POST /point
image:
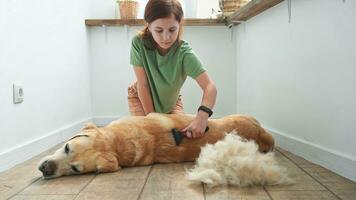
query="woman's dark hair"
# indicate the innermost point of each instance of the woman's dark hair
(156, 9)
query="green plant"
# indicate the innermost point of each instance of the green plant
(226, 20)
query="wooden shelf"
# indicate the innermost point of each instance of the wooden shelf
(141, 22)
(252, 9)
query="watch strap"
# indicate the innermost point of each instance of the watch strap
(205, 109)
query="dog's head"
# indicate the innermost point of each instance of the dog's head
(85, 152)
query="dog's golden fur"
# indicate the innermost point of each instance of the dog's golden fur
(136, 141)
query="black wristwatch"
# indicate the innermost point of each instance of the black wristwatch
(205, 109)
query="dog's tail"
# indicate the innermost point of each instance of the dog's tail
(266, 142)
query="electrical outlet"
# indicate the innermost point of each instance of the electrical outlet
(18, 94)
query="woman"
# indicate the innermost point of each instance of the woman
(162, 62)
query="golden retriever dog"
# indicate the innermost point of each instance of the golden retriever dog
(135, 141)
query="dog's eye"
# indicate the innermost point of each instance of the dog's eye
(66, 149)
(75, 169)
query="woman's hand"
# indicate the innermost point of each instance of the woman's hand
(197, 127)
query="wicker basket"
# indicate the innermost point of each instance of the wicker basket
(230, 6)
(128, 9)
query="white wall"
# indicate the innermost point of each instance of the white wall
(103, 9)
(299, 80)
(43, 47)
(204, 8)
(112, 72)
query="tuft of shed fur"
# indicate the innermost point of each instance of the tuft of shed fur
(236, 161)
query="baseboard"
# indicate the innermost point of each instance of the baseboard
(337, 162)
(36, 146)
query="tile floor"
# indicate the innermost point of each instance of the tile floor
(167, 181)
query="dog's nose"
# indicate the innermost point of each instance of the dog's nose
(48, 168)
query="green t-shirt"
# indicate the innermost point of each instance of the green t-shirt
(166, 74)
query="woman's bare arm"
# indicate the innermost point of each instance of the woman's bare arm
(197, 127)
(143, 90)
(209, 90)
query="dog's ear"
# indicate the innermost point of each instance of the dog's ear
(107, 163)
(89, 125)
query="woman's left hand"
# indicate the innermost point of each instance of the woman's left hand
(197, 127)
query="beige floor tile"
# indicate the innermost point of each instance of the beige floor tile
(291, 168)
(341, 186)
(301, 182)
(331, 177)
(347, 197)
(296, 159)
(63, 185)
(118, 195)
(343, 190)
(10, 188)
(20, 176)
(16, 179)
(302, 195)
(346, 194)
(25, 172)
(124, 184)
(326, 176)
(43, 197)
(168, 181)
(231, 192)
(316, 169)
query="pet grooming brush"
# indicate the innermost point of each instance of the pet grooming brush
(178, 136)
